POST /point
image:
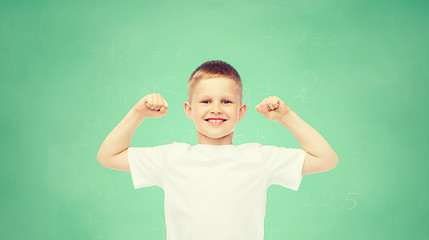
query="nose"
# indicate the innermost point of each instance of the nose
(216, 108)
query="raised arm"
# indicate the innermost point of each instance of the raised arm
(113, 152)
(320, 156)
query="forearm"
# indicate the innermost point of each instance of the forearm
(311, 141)
(119, 138)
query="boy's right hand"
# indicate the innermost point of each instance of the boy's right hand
(152, 105)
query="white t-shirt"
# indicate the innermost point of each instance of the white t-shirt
(215, 192)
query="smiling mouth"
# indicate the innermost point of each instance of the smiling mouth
(215, 122)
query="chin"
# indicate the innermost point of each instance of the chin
(213, 136)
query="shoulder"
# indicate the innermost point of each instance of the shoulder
(163, 148)
(257, 146)
(251, 150)
(254, 146)
(267, 150)
(249, 145)
(173, 144)
(180, 145)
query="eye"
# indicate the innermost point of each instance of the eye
(206, 101)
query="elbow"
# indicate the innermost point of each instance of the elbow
(101, 160)
(331, 161)
(334, 161)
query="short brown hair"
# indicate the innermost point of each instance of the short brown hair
(213, 69)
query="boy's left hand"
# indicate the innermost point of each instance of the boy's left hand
(273, 108)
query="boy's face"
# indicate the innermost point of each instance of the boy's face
(215, 98)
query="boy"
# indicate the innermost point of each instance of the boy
(216, 190)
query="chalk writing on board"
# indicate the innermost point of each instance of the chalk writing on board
(300, 38)
(318, 39)
(308, 80)
(269, 32)
(321, 38)
(329, 201)
(351, 202)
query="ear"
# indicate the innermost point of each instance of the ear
(188, 110)
(242, 112)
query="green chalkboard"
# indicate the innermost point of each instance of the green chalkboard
(356, 71)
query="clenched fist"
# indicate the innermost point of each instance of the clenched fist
(273, 108)
(152, 105)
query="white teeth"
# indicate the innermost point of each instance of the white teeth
(215, 121)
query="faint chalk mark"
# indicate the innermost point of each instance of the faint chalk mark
(310, 79)
(351, 199)
(331, 199)
(300, 38)
(270, 32)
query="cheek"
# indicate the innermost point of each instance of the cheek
(198, 112)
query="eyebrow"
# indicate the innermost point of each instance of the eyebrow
(206, 96)
(223, 97)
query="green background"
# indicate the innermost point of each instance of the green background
(356, 71)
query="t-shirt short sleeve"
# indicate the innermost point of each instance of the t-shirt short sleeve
(284, 165)
(146, 165)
